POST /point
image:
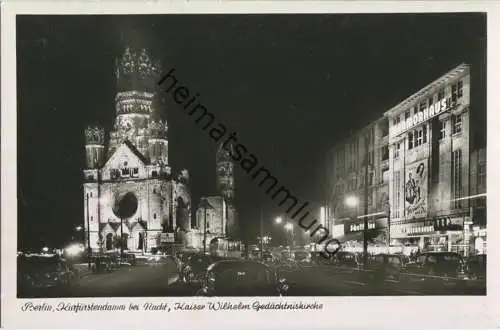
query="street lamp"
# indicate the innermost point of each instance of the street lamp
(279, 220)
(89, 250)
(289, 228)
(79, 228)
(351, 201)
(204, 205)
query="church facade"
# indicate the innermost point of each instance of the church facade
(216, 216)
(130, 196)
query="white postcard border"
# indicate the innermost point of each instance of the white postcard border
(338, 312)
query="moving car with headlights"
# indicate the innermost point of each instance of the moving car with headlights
(239, 278)
(44, 276)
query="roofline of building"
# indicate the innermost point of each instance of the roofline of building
(344, 140)
(460, 70)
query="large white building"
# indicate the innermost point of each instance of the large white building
(426, 156)
(129, 192)
(429, 164)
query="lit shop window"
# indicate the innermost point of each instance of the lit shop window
(457, 124)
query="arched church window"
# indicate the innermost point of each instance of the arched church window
(154, 216)
(90, 194)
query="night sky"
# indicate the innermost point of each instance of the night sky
(289, 85)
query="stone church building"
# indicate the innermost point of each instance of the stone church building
(130, 195)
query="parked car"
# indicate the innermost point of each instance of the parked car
(318, 258)
(242, 278)
(385, 266)
(44, 276)
(267, 257)
(476, 265)
(194, 268)
(302, 257)
(448, 264)
(346, 259)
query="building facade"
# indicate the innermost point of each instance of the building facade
(477, 238)
(429, 164)
(131, 199)
(427, 173)
(357, 184)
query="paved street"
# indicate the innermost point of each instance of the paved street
(141, 280)
(162, 280)
(331, 281)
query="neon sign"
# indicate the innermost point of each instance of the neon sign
(422, 116)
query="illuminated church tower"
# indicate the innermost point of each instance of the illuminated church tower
(130, 195)
(225, 186)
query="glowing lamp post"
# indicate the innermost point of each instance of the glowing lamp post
(279, 220)
(351, 201)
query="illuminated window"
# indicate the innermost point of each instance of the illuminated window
(410, 140)
(430, 101)
(397, 193)
(481, 180)
(457, 91)
(397, 147)
(441, 94)
(442, 129)
(457, 124)
(419, 134)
